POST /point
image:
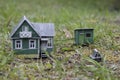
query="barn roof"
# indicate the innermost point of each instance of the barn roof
(42, 29)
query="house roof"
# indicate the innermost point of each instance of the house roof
(42, 29)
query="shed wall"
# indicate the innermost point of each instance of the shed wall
(84, 33)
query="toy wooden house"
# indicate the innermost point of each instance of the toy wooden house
(32, 38)
(83, 36)
(96, 55)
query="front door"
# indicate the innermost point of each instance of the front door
(81, 38)
(43, 46)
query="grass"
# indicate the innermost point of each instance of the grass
(67, 61)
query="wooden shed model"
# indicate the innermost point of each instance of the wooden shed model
(32, 38)
(83, 36)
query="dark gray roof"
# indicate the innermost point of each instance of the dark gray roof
(42, 29)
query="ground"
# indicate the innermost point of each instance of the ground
(67, 61)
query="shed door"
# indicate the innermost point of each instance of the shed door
(88, 37)
(81, 38)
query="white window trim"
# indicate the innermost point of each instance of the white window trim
(34, 44)
(51, 41)
(25, 28)
(20, 44)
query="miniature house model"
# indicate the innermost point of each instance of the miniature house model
(83, 36)
(96, 55)
(32, 38)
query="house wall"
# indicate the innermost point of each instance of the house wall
(49, 49)
(25, 47)
(16, 35)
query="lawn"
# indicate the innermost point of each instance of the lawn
(68, 62)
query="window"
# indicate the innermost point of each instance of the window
(18, 44)
(25, 33)
(97, 54)
(50, 42)
(25, 28)
(32, 44)
(88, 35)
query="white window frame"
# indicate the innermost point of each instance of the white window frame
(50, 43)
(33, 47)
(25, 28)
(18, 44)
